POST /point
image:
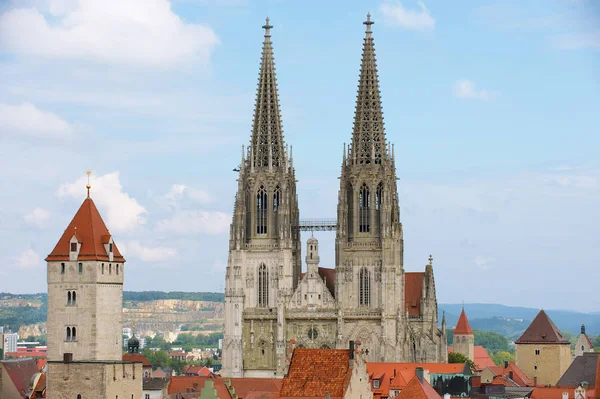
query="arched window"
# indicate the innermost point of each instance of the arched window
(68, 298)
(74, 334)
(364, 281)
(68, 333)
(74, 296)
(117, 267)
(263, 286)
(350, 203)
(79, 396)
(364, 209)
(103, 268)
(276, 199)
(109, 268)
(248, 214)
(378, 204)
(261, 211)
(62, 268)
(80, 267)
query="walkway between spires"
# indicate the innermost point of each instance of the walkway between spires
(317, 225)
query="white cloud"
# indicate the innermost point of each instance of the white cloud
(483, 262)
(466, 89)
(141, 32)
(577, 41)
(28, 120)
(396, 14)
(28, 259)
(122, 211)
(181, 191)
(147, 254)
(37, 217)
(195, 222)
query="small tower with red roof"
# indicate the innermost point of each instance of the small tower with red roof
(85, 311)
(464, 339)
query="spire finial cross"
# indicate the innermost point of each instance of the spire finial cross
(88, 186)
(430, 260)
(267, 27)
(368, 22)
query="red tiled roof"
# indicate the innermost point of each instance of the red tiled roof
(184, 384)
(463, 326)
(482, 358)
(314, 372)
(417, 389)
(542, 330)
(20, 372)
(518, 375)
(89, 228)
(41, 363)
(136, 358)
(256, 388)
(556, 393)
(40, 387)
(413, 288)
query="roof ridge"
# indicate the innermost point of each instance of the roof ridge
(542, 330)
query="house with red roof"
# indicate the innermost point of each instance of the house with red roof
(16, 378)
(418, 388)
(332, 373)
(510, 370)
(197, 371)
(387, 380)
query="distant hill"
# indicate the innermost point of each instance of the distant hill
(511, 321)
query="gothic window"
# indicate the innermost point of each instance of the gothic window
(248, 215)
(74, 298)
(80, 267)
(378, 203)
(62, 268)
(313, 333)
(364, 209)
(73, 334)
(68, 333)
(261, 211)
(110, 269)
(364, 281)
(79, 396)
(350, 203)
(263, 286)
(68, 298)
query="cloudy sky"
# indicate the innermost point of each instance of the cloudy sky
(493, 106)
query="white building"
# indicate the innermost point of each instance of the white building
(10, 343)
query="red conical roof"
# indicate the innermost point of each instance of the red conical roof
(89, 228)
(463, 327)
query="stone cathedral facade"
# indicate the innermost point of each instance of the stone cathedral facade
(270, 305)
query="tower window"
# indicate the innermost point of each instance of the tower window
(364, 294)
(276, 199)
(263, 286)
(68, 298)
(74, 297)
(537, 351)
(79, 396)
(68, 333)
(109, 268)
(261, 211)
(73, 247)
(103, 268)
(62, 268)
(73, 334)
(110, 247)
(364, 209)
(80, 267)
(117, 269)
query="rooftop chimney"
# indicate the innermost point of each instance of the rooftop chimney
(419, 373)
(505, 363)
(446, 396)
(565, 395)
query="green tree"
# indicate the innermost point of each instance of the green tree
(455, 357)
(491, 341)
(596, 341)
(1, 353)
(503, 356)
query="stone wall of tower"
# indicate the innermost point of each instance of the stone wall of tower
(96, 313)
(465, 344)
(544, 362)
(94, 380)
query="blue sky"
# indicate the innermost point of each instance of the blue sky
(493, 107)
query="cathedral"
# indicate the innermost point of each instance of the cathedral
(271, 306)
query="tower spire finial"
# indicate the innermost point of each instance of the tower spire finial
(368, 22)
(267, 27)
(88, 185)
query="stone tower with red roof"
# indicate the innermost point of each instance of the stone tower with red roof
(542, 352)
(463, 340)
(85, 294)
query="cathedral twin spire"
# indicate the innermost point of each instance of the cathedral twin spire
(266, 149)
(368, 136)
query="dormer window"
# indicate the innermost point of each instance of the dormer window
(376, 384)
(73, 247)
(110, 247)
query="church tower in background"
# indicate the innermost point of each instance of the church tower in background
(85, 313)
(264, 262)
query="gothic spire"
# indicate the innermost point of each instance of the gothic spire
(267, 133)
(368, 137)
